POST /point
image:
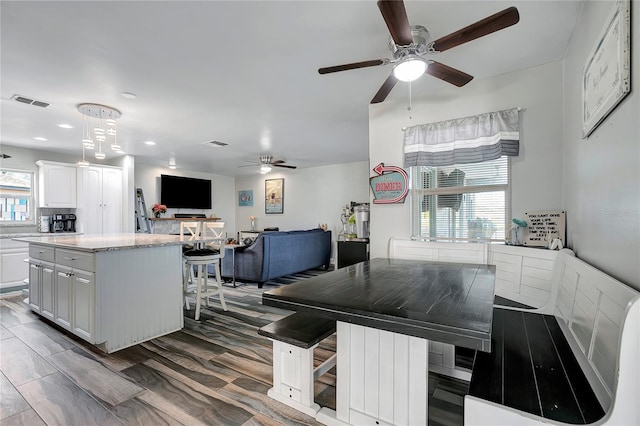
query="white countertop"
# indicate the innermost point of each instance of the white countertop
(35, 234)
(105, 242)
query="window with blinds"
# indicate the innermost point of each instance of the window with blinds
(461, 202)
(16, 197)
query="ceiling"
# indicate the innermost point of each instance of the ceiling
(240, 72)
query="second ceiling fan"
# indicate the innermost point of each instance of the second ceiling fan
(410, 43)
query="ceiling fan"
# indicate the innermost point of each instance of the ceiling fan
(409, 44)
(267, 162)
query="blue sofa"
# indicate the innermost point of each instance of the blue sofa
(276, 254)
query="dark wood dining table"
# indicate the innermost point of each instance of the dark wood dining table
(387, 310)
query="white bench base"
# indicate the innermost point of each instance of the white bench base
(293, 376)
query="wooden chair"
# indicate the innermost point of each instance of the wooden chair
(209, 240)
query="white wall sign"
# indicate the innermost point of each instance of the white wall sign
(544, 226)
(606, 76)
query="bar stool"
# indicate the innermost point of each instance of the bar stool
(209, 249)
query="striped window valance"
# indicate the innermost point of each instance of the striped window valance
(463, 140)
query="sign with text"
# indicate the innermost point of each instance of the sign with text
(544, 226)
(390, 186)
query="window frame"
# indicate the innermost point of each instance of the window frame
(31, 199)
(415, 193)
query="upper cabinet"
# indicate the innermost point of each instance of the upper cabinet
(56, 184)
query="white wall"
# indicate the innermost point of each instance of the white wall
(311, 196)
(147, 177)
(601, 174)
(536, 172)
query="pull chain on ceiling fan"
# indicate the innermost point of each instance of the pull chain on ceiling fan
(409, 45)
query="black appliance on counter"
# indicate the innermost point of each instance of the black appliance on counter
(62, 223)
(70, 223)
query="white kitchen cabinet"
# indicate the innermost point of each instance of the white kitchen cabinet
(41, 280)
(47, 289)
(34, 285)
(100, 200)
(41, 287)
(83, 304)
(63, 295)
(57, 185)
(13, 268)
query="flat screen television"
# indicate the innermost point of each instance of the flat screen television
(180, 192)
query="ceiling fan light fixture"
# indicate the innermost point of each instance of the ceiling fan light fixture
(409, 69)
(265, 168)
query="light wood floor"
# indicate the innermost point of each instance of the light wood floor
(215, 371)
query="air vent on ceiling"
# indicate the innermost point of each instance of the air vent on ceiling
(215, 144)
(29, 101)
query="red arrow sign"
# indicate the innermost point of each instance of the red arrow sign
(380, 169)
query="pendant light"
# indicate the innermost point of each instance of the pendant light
(105, 116)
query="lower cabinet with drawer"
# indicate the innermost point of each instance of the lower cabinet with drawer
(61, 291)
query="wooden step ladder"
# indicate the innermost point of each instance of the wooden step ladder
(143, 224)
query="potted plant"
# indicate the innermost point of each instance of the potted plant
(159, 209)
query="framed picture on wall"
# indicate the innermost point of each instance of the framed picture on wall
(274, 196)
(606, 78)
(245, 198)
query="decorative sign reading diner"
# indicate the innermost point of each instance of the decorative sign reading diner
(390, 186)
(544, 226)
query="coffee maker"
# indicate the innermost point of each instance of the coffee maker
(69, 223)
(56, 223)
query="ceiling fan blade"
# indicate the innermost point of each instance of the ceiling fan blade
(384, 91)
(277, 162)
(395, 16)
(284, 165)
(488, 25)
(448, 74)
(353, 66)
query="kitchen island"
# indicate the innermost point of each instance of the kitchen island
(112, 290)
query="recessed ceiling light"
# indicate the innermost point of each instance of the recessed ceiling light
(120, 152)
(128, 95)
(149, 143)
(65, 126)
(40, 138)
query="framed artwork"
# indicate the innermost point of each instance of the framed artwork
(274, 196)
(245, 198)
(606, 77)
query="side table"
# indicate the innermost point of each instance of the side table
(233, 248)
(247, 234)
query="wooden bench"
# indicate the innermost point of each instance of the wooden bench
(575, 360)
(294, 339)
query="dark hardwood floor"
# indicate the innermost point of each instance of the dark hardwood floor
(215, 371)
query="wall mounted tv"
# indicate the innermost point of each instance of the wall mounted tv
(180, 192)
